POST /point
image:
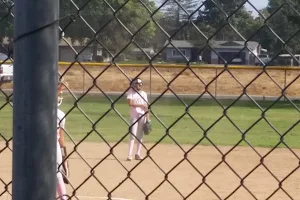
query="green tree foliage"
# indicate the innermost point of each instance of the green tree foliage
(215, 17)
(199, 20)
(114, 22)
(176, 18)
(220, 13)
(281, 23)
(262, 33)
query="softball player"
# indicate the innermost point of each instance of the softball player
(62, 166)
(138, 102)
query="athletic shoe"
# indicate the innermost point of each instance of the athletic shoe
(137, 157)
(129, 158)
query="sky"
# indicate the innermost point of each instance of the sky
(258, 4)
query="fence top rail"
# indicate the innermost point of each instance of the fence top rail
(159, 65)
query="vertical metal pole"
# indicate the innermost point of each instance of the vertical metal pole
(284, 83)
(83, 81)
(35, 100)
(216, 83)
(150, 99)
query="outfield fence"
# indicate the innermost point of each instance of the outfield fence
(269, 84)
(99, 170)
(266, 86)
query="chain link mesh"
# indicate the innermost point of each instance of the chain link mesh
(6, 25)
(207, 142)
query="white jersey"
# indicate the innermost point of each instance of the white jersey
(138, 98)
(60, 121)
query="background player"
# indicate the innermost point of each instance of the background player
(138, 102)
(62, 164)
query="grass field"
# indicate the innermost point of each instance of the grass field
(110, 125)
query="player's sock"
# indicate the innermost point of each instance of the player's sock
(61, 189)
(131, 144)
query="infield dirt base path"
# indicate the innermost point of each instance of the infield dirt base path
(184, 177)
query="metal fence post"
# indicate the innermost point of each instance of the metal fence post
(285, 84)
(216, 84)
(150, 84)
(35, 100)
(83, 81)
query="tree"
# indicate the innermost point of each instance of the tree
(177, 15)
(281, 23)
(214, 14)
(112, 26)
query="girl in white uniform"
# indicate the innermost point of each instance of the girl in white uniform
(60, 150)
(138, 102)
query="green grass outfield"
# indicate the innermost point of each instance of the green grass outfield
(206, 112)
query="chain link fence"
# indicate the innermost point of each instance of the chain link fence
(202, 146)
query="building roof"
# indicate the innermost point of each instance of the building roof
(233, 44)
(144, 49)
(180, 44)
(214, 44)
(137, 51)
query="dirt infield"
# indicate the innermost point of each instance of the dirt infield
(185, 178)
